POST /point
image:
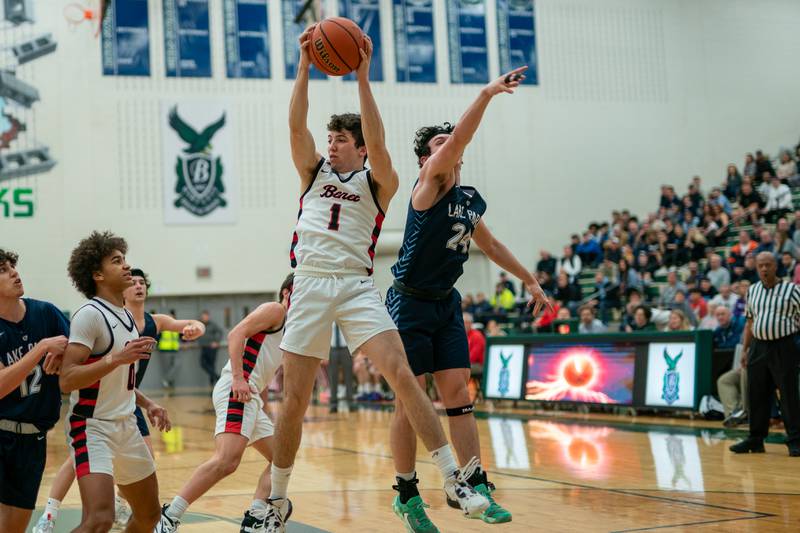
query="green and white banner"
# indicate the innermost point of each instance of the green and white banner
(200, 183)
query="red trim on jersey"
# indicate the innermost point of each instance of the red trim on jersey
(376, 231)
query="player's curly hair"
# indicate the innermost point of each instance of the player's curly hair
(348, 122)
(139, 272)
(87, 257)
(7, 256)
(424, 135)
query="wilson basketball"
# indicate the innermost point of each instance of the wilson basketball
(335, 46)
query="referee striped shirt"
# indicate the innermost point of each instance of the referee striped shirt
(775, 311)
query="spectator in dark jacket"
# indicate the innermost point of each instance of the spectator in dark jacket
(547, 263)
(568, 294)
(729, 331)
(589, 250)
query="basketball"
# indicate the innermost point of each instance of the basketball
(335, 46)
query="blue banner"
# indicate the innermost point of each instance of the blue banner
(516, 36)
(466, 29)
(291, 45)
(187, 39)
(414, 45)
(246, 38)
(126, 39)
(367, 14)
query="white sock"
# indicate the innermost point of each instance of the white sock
(445, 462)
(280, 482)
(258, 504)
(177, 507)
(361, 388)
(407, 476)
(52, 507)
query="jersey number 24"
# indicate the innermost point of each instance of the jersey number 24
(460, 239)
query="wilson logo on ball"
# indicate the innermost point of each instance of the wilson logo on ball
(325, 57)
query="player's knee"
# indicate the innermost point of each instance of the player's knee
(454, 393)
(99, 520)
(228, 465)
(148, 516)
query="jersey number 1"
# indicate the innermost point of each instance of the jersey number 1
(333, 224)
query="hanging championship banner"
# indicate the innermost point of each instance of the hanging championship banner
(246, 38)
(367, 14)
(414, 45)
(200, 183)
(292, 30)
(466, 28)
(126, 39)
(187, 39)
(516, 37)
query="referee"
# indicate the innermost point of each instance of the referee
(772, 356)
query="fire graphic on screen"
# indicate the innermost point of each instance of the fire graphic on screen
(580, 374)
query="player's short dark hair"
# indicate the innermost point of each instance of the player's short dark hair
(287, 284)
(424, 135)
(7, 256)
(88, 256)
(348, 122)
(139, 272)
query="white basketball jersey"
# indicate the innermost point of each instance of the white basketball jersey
(112, 397)
(338, 224)
(262, 357)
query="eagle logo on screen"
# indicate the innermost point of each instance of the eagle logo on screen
(199, 186)
(504, 379)
(672, 379)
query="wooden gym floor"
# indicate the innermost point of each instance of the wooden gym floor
(564, 472)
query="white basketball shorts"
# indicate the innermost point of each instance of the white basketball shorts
(246, 419)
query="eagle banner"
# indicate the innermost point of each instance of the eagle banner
(200, 185)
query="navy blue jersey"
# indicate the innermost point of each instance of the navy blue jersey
(436, 241)
(150, 330)
(38, 399)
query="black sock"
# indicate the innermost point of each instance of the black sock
(407, 489)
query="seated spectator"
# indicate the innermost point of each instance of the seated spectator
(477, 346)
(726, 298)
(696, 244)
(674, 285)
(787, 169)
(481, 305)
(629, 278)
(678, 321)
(610, 271)
(368, 378)
(589, 250)
(749, 165)
(766, 243)
(507, 283)
(546, 281)
(570, 264)
(740, 250)
(545, 321)
(707, 289)
(786, 266)
(668, 198)
(750, 201)
(568, 294)
(646, 265)
(493, 329)
(716, 198)
(547, 263)
(747, 272)
(605, 297)
(641, 320)
(633, 300)
(763, 164)
(563, 314)
(783, 244)
(611, 250)
(693, 276)
(732, 388)
(467, 303)
(718, 274)
(733, 183)
(697, 303)
(728, 332)
(502, 300)
(779, 200)
(588, 323)
(710, 320)
(793, 233)
(696, 199)
(741, 292)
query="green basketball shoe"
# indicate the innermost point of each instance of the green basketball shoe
(494, 514)
(412, 513)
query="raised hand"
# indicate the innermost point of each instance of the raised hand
(507, 82)
(305, 46)
(134, 351)
(193, 331)
(362, 72)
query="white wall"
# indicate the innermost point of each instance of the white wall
(632, 93)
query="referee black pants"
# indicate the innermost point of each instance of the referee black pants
(771, 365)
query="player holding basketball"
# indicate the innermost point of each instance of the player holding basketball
(149, 326)
(32, 343)
(99, 369)
(443, 217)
(239, 398)
(341, 210)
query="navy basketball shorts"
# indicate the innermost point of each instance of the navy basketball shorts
(433, 332)
(22, 459)
(141, 422)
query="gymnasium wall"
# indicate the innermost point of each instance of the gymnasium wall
(632, 94)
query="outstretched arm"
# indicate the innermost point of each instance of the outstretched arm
(440, 163)
(500, 255)
(374, 136)
(265, 317)
(304, 153)
(190, 329)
